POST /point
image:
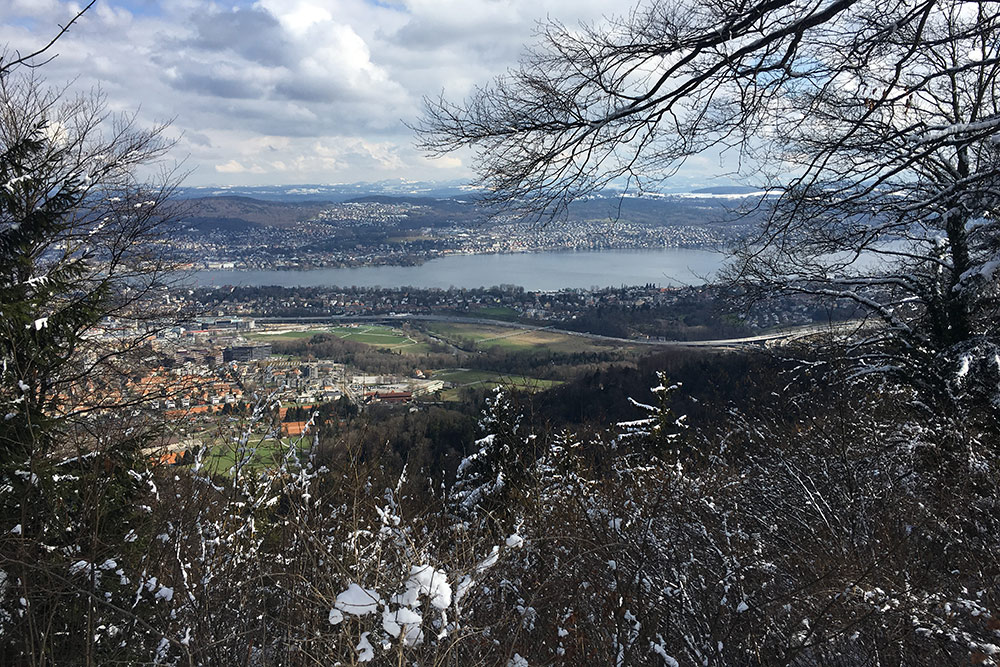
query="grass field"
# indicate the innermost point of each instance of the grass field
(497, 312)
(283, 335)
(382, 336)
(484, 336)
(463, 377)
(369, 334)
(221, 458)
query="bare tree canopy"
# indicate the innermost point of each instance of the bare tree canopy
(874, 126)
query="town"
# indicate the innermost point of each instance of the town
(246, 234)
(310, 347)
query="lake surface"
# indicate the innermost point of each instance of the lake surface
(539, 271)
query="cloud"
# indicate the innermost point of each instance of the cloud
(287, 91)
(302, 17)
(222, 81)
(234, 167)
(251, 34)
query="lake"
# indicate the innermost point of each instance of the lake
(539, 271)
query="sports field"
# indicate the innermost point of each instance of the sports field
(485, 336)
(375, 335)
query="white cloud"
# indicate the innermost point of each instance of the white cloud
(302, 17)
(287, 91)
(234, 167)
(34, 8)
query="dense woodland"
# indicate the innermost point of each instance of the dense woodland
(782, 522)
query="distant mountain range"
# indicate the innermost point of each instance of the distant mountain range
(339, 192)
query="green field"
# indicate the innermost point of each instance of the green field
(381, 336)
(284, 335)
(221, 458)
(389, 338)
(485, 336)
(463, 377)
(497, 312)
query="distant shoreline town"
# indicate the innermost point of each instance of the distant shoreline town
(245, 234)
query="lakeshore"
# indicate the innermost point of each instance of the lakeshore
(540, 271)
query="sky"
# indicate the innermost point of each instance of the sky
(287, 91)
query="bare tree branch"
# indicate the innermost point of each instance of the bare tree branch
(28, 60)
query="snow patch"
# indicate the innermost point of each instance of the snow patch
(366, 652)
(403, 623)
(357, 601)
(425, 580)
